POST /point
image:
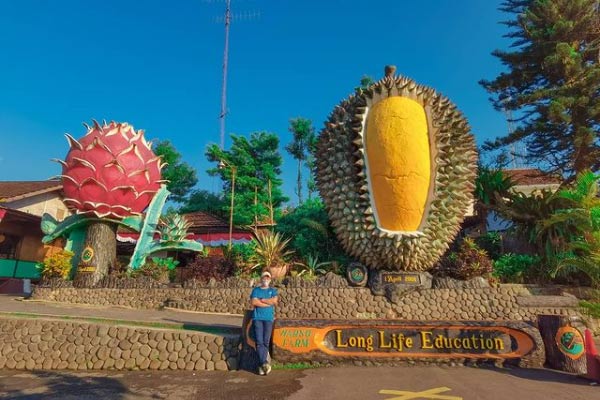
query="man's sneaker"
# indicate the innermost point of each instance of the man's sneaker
(267, 368)
(261, 370)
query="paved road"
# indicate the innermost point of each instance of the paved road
(401, 383)
(16, 304)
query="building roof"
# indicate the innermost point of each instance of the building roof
(531, 177)
(201, 219)
(17, 190)
(11, 215)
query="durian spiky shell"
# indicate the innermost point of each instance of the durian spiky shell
(341, 171)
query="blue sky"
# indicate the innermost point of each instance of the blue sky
(157, 64)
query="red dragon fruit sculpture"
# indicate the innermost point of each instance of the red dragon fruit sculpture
(111, 172)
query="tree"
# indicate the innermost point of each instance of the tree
(203, 200)
(256, 162)
(365, 82)
(553, 81)
(492, 188)
(311, 184)
(181, 176)
(559, 224)
(492, 185)
(312, 234)
(300, 148)
(579, 224)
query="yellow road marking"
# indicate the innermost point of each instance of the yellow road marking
(426, 394)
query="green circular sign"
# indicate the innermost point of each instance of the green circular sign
(357, 274)
(87, 254)
(570, 342)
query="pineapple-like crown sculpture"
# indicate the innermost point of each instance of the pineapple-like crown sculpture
(396, 166)
(111, 172)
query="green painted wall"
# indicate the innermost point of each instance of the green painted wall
(25, 269)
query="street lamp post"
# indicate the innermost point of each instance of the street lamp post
(223, 164)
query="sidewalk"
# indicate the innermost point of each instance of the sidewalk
(16, 304)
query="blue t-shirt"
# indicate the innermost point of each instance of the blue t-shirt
(263, 313)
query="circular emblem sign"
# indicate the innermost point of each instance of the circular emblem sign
(357, 274)
(570, 342)
(87, 254)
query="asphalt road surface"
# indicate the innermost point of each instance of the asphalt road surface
(378, 383)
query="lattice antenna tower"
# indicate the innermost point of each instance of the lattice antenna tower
(227, 18)
(517, 150)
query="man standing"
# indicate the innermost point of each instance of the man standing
(264, 299)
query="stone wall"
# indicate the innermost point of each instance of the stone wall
(55, 344)
(504, 303)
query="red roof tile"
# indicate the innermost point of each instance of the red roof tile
(205, 220)
(15, 190)
(531, 176)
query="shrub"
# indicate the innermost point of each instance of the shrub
(270, 249)
(205, 268)
(155, 271)
(470, 261)
(312, 268)
(590, 308)
(491, 242)
(241, 255)
(159, 269)
(514, 268)
(56, 265)
(243, 258)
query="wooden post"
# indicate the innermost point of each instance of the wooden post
(270, 202)
(233, 172)
(565, 348)
(255, 208)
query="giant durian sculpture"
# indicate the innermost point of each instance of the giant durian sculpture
(396, 166)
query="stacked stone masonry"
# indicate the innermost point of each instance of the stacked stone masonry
(27, 344)
(325, 303)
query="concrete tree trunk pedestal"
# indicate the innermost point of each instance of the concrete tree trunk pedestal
(98, 255)
(564, 343)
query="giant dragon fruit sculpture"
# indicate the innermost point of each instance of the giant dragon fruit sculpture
(110, 176)
(110, 172)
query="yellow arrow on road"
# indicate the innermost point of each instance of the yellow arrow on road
(426, 394)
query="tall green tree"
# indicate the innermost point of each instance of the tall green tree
(552, 82)
(311, 232)
(181, 176)
(256, 162)
(311, 184)
(303, 134)
(203, 200)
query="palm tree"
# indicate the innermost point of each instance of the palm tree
(492, 185)
(579, 222)
(492, 189)
(584, 255)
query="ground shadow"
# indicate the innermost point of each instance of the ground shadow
(216, 329)
(60, 385)
(542, 375)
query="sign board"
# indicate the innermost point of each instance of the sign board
(405, 278)
(384, 339)
(570, 342)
